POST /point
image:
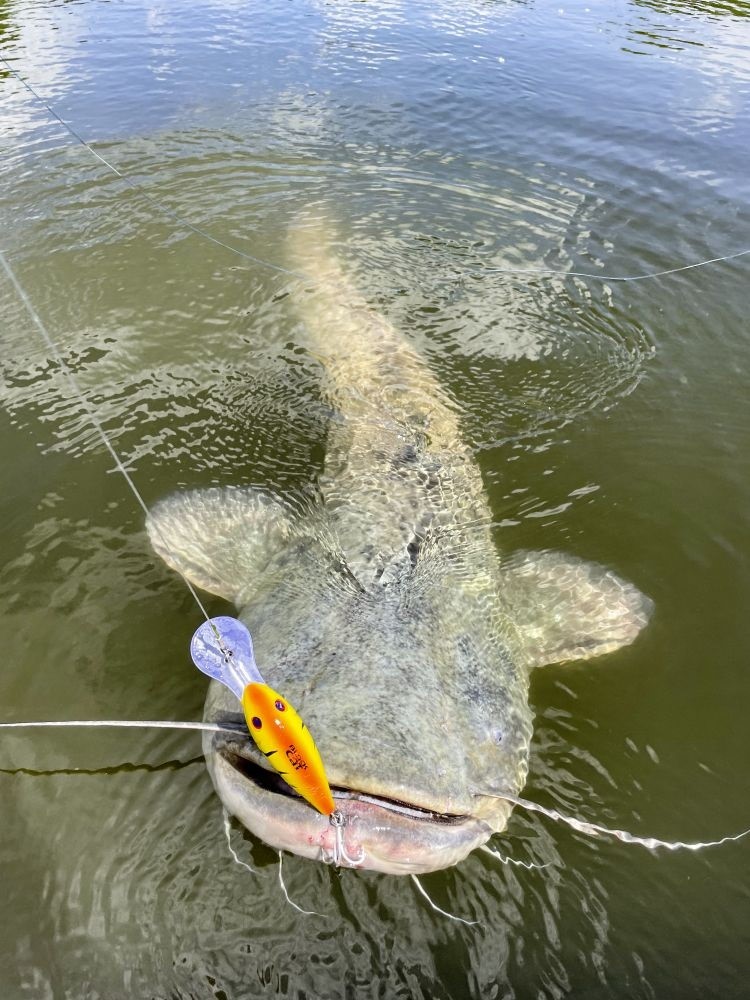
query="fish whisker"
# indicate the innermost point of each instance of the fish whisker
(595, 829)
(445, 913)
(307, 913)
(228, 834)
(528, 865)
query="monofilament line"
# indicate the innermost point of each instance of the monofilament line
(138, 188)
(541, 272)
(205, 727)
(552, 272)
(51, 346)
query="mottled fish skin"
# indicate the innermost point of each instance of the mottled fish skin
(384, 613)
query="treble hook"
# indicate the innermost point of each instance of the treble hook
(338, 822)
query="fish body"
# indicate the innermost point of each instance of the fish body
(383, 611)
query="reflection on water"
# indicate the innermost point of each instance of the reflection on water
(608, 420)
(702, 8)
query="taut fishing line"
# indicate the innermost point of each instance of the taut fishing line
(206, 727)
(540, 272)
(139, 188)
(46, 337)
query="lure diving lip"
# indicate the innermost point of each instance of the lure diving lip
(223, 650)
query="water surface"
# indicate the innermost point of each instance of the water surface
(610, 420)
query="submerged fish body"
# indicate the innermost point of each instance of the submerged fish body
(383, 612)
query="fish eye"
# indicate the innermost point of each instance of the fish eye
(256, 722)
(280, 705)
(497, 736)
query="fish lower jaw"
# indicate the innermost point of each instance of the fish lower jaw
(378, 834)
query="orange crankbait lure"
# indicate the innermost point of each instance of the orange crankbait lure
(286, 741)
(222, 649)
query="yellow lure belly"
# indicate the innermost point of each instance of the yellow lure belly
(282, 736)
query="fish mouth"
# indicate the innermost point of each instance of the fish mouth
(272, 781)
(378, 833)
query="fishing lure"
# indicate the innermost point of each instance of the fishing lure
(223, 649)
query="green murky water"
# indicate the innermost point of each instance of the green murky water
(610, 420)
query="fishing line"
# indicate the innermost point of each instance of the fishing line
(207, 727)
(318, 794)
(46, 337)
(340, 853)
(538, 271)
(139, 188)
(606, 277)
(255, 695)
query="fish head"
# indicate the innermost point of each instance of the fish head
(405, 721)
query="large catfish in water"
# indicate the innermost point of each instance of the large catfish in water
(383, 612)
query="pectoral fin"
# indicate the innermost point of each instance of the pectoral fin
(220, 539)
(568, 609)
